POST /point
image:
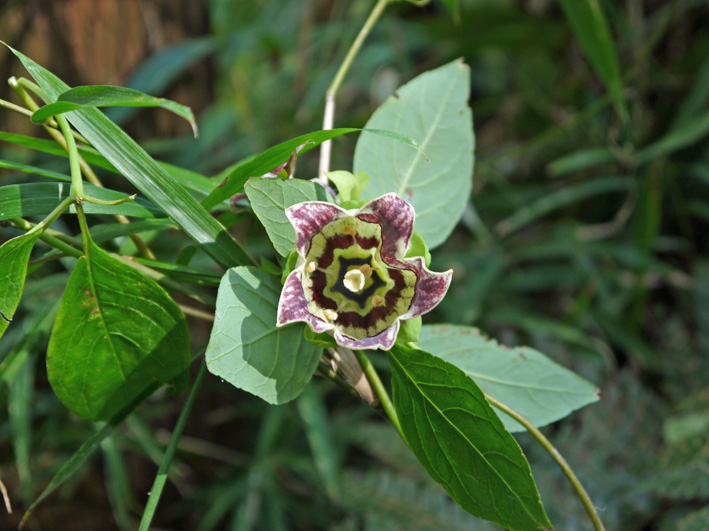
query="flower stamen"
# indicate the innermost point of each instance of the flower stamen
(330, 315)
(366, 270)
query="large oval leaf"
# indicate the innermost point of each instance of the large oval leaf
(433, 109)
(270, 197)
(461, 443)
(14, 255)
(247, 350)
(522, 378)
(117, 333)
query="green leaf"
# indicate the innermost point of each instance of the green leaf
(187, 178)
(581, 160)
(232, 179)
(694, 521)
(269, 199)
(79, 458)
(10, 165)
(166, 462)
(591, 29)
(311, 407)
(349, 186)
(433, 107)
(141, 170)
(418, 247)
(14, 256)
(323, 340)
(410, 331)
(521, 378)
(392, 502)
(116, 333)
(247, 350)
(110, 231)
(561, 198)
(108, 96)
(687, 133)
(461, 443)
(453, 6)
(39, 199)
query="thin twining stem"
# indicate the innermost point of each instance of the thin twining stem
(556, 456)
(329, 115)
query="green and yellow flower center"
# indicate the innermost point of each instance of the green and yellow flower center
(346, 282)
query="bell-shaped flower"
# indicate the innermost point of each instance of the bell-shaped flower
(352, 279)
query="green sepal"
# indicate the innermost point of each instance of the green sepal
(410, 331)
(352, 205)
(289, 265)
(418, 247)
(321, 340)
(349, 186)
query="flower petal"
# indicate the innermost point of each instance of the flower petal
(396, 217)
(292, 306)
(309, 218)
(431, 287)
(383, 341)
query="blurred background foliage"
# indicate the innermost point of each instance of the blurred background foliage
(586, 238)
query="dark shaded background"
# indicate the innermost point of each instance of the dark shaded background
(577, 241)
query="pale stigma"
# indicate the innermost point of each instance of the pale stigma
(354, 280)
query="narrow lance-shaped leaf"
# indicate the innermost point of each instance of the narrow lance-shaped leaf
(139, 168)
(233, 178)
(591, 28)
(14, 255)
(39, 199)
(117, 333)
(187, 178)
(462, 443)
(522, 378)
(247, 350)
(109, 96)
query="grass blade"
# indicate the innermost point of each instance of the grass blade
(591, 29)
(161, 477)
(109, 96)
(139, 168)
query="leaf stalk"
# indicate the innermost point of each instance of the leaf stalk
(556, 456)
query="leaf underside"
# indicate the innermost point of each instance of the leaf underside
(521, 378)
(247, 350)
(433, 109)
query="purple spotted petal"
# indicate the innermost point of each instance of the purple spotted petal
(293, 306)
(397, 219)
(309, 218)
(431, 287)
(384, 340)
